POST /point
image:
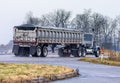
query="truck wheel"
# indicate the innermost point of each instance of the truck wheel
(97, 53)
(78, 53)
(38, 54)
(67, 52)
(84, 54)
(75, 52)
(60, 52)
(44, 52)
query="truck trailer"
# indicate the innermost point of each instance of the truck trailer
(34, 40)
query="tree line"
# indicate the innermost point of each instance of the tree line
(105, 29)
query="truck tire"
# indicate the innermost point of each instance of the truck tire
(44, 52)
(97, 53)
(67, 53)
(83, 54)
(38, 52)
(75, 53)
(78, 54)
(15, 50)
(60, 52)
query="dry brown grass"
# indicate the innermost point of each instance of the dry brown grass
(104, 61)
(20, 73)
(112, 55)
(113, 58)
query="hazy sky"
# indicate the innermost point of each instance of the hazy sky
(13, 12)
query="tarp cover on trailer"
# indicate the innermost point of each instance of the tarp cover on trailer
(26, 27)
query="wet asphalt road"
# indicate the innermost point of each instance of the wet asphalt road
(90, 73)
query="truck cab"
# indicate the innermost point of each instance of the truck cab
(90, 44)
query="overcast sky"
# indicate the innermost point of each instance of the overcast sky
(13, 12)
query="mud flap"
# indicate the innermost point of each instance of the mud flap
(15, 49)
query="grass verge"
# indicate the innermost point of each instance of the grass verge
(16, 73)
(105, 61)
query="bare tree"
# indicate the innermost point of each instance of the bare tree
(44, 20)
(118, 22)
(63, 17)
(102, 26)
(58, 18)
(108, 32)
(98, 22)
(83, 21)
(30, 19)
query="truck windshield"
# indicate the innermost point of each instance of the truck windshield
(88, 37)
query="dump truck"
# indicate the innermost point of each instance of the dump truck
(34, 40)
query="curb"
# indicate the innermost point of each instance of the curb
(74, 73)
